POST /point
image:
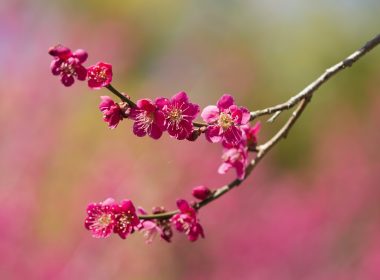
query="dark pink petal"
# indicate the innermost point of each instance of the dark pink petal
(213, 134)
(246, 115)
(81, 55)
(233, 135)
(60, 51)
(81, 72)
(106, 103)
(240, 169)
(182, 131)
(146, 105)
(161, 102)
(67, 80)
(256, 128)
(138, 129)
(183, 205)
(55, 67)
(159, 120)
(225, 102)
(191, 111)
(155, 132)
(210, 114)
(195, 231)
(94, 84)
(114, 121)
(180, 97)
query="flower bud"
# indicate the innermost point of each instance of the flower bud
(194, 135)
(201, 192)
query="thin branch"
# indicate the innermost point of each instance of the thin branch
(120, 95)
(311, 88)
(302, 99)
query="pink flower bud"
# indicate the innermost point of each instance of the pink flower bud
(201, 192)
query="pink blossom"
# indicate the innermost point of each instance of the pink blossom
(237, 158)
(100, 218)
(126, 218)
(150, 230)
(250, 135)
(179, 114)
(201, 192)
(159, 226)
(225, 120)
(148, 119)
(99, 75)
(67, 64)
(186, 221)
(112, 113)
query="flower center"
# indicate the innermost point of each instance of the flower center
(98, 74)
(124, 221)
(145, 119)
(225, 121)
(67, 69)
(175, 115)
(103, 221)
(102, 75)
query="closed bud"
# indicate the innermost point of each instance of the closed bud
(201, 192)
(194, 135)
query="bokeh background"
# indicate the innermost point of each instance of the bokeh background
(309, 211)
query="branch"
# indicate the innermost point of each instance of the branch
(311, 88)
(302, 99)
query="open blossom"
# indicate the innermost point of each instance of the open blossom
(225, 120)
(126, 219)
(148, 119)
(68, 64)
(237, 158)
(99, 75)
(112, 113)
(179, 114)
(100, 218)
(186, 221)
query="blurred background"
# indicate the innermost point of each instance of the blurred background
(309, 211)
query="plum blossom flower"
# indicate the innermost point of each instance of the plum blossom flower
(126, 219)
(148, 119)
(68, 64)
(150, 230)
(100, 218)
(186, 221)
(235, 158)
(250, 135)
(99, 75)
(112, 113)
(201, 192)
(179, 114)
(225, 120)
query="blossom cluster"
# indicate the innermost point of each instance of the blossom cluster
(107, 217)
(225, 123)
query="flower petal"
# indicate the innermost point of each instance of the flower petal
(213, 134)
(183, 205)
(155, 132)
(81, 55)
(210, 114)
(180, 97)
(67, 80)
(146, 105)
(225, 102)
